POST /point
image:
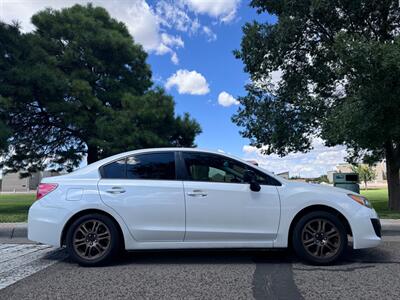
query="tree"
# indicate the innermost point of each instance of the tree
(323, 179)
(79, 86)
(365, 173)
(339, 63)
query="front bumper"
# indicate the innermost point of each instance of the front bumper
(366, 229)
(376, 223)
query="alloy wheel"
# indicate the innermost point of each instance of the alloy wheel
(321, 238)
(92, 239)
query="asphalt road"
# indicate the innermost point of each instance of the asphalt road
(363, 274)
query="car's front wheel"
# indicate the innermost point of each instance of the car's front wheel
(92, 240)
(320, 238)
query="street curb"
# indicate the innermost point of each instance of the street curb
(13, 230)
(390, 227)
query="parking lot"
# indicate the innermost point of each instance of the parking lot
(38, 272)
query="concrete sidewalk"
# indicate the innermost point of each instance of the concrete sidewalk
(390, 227)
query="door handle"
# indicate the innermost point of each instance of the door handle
(116, 190)
(197, 193)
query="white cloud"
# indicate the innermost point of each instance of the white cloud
(173, 15)
(276, 77)
(142, 22)
(174, 58)
(226, 99)
(173, 41)
(317, 162)
(249, 149)
(211, 36)
(169, 42)
(229, 17)
(270, 82)
(188, 82)
(224, 10)
(149, 25)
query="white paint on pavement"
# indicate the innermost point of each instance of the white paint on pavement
(18, 261)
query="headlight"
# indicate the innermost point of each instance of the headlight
(360, 199)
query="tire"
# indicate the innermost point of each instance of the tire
(320, 238)
(93, 240)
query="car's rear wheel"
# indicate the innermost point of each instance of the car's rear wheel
(92, 240)
(320, 238)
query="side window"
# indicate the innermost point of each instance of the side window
(114, 170)
(264, 179)
(151, 166)
(213, 168)
(216, 168)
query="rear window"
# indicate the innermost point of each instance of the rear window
(151, 166)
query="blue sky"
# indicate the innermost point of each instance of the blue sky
(214, 60)
(190, 44)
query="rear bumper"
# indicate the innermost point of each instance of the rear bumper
(366, 229)
(45, 224)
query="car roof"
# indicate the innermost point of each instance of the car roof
(161, 149)
(96, 165)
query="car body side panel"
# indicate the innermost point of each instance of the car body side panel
(231, 212)
(154, 210)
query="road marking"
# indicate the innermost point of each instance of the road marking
(18, 261)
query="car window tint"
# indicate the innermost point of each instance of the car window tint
(151, 166)
(214, 168)
(114, 170)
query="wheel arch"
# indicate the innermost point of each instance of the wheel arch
(318, 207)
(88, 212)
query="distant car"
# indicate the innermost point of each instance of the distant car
(177, 198)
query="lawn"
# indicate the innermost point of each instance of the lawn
(14, 207)
(379, 199)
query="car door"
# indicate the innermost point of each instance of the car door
(221, 207)
(144, 191)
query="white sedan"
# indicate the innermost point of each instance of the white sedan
(178, 198)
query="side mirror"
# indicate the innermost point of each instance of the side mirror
(250, 177)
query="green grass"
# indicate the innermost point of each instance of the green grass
(14, 207)
(379, 199)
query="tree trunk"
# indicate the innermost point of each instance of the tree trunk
(92, 154)
(366, 186)
(393, 177)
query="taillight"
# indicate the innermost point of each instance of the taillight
(45, 188)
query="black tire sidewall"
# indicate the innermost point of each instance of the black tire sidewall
(298, 244)
(111, 251)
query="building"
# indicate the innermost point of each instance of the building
(12, 182)
(380, 173)
(329, 174)
(284, 175)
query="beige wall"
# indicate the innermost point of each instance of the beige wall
(13, 183)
